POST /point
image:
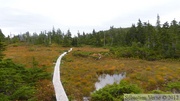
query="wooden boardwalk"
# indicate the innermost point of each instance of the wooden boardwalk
(59, 90)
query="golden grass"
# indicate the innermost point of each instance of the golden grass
(44, 56)
(78, 74)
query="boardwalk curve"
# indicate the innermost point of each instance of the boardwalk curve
(59, 90)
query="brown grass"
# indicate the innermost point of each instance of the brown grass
(44, 56)
(78, 74)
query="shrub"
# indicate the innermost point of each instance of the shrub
(4, 97)
(102, 96)
(135, 52)
(31, 49)
(81, 54)
(2, 48)
(159, 92)
(23, 93)
(115, 91)
(15, 45)
(174, 87)
(17, 82)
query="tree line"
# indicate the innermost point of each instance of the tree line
(140, 40)
(43, 38)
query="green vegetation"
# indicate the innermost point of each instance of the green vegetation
(136, 51)
(82, 54)
(19, 83)
(115, 92)
(2, 46)
(174, 87)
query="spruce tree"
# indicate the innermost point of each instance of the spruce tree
(2, 47)
(2, 37)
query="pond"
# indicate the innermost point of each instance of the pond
(105, 79)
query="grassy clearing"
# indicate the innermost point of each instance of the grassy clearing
(45, 56)
(80, 74)
(80, 69)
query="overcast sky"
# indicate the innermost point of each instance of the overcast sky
(19, 16)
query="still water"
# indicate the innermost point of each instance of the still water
(105, 79)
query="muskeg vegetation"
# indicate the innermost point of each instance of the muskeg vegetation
(81, 68)
(80, 74)
(34, 73)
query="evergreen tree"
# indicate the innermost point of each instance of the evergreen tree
(158, 34)
(164, 40)
(131, 35)
(53, 36)
(27, 37)
(158, 25)
(42, 38)
(112, 33)
(59, 37)
(67, 39)
(49, 34)
(2, 46)
(175, 39)
(98, 39)
(75, 42)
(2, 37)
(34, 38)
(140, 36)
(150, 35)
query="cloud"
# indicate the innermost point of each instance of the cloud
(83, 15)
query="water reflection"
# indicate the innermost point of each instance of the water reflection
(105, 79)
